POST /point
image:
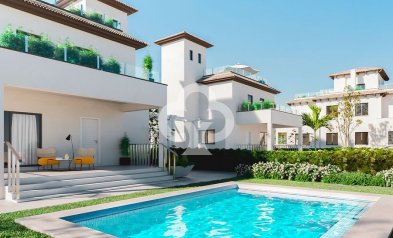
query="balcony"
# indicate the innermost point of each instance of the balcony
(28, 71)
(67, 52)
(314, 94)
(228, 68)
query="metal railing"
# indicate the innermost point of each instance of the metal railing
(149, 155)
(249, 107)
(314, 94)
(14, 161)
(253, 147)
(68, 54)
(286, 147)
(228, 68)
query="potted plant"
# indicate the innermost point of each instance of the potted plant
(183, 166)
(125, 158)
(148, 67)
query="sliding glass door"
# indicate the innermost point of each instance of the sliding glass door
(23, 130)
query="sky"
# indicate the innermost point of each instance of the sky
(295, 44)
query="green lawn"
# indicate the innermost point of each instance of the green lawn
(9, 228)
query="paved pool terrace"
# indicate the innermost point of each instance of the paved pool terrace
(376, 221)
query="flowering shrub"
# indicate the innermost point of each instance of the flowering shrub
(387, 176)
(298, 171)
(243, 170)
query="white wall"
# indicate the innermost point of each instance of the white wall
(38, 73)
(58, 33)
(61, 116)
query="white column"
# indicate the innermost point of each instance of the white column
(163, 134)
(300, 138)
(2, 184)
(270, 134)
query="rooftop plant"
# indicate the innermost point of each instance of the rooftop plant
(41, 46)
(73, 52)
(111, 65)
(95, 16)
(257, 105)
(267, 104)
(10, 39)
(88, 58)
(246, 106)
(76, 11)
(148, 66)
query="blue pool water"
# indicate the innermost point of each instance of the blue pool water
(228, 213)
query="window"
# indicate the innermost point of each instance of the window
(282, 138)
(261, 100)
(390, 137)
(116, 24)
(207, 137)
(24, 131)
(331, 138)
(360, 86)
(191, 55)
(331, 110)
(306, 139)
(361, 109)
(361, 138)
(250, 99)
(262, 138)
(199, 58)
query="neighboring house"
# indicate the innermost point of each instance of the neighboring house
(209, 107)
(44, 99)
(375, 109)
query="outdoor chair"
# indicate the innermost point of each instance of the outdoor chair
(85, 156)
(46, 158)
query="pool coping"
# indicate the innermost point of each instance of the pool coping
(375, 222)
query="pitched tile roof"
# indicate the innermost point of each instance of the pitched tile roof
(231, 76)
(54, 13)
(381, 71)
(184, 35)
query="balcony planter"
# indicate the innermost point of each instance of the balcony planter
(183, 171)
(124, 146)
(125, 161)
(183, 166)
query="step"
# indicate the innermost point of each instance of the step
(85, 174)
(56, 183)
(90, 186)
(122, 189)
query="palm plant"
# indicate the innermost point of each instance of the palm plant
(315, 121)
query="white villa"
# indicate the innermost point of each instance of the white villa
(226, 107)
(44, 99)
(375, 110)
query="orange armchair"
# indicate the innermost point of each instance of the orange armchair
(46, 158)
(85, 156)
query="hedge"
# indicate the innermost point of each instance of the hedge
(365, 160)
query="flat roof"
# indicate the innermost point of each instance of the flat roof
(113, 3)
(183, 35)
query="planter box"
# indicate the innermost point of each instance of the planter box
(183, 171)
(125, 161)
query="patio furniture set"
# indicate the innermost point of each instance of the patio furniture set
(47, 158)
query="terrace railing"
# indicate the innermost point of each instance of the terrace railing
(150, 155)
(70, 54)
(286, 147)
(314, 94)
(14, 161)
(252, 147)
(229, 68)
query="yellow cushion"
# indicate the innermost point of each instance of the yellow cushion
(47, 161)
(84, 160)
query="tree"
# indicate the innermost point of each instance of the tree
(153, 127)
(345, 116)
(315, 121)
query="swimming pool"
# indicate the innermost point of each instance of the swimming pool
(228, 212)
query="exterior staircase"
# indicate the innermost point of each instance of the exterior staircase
(46, 187)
